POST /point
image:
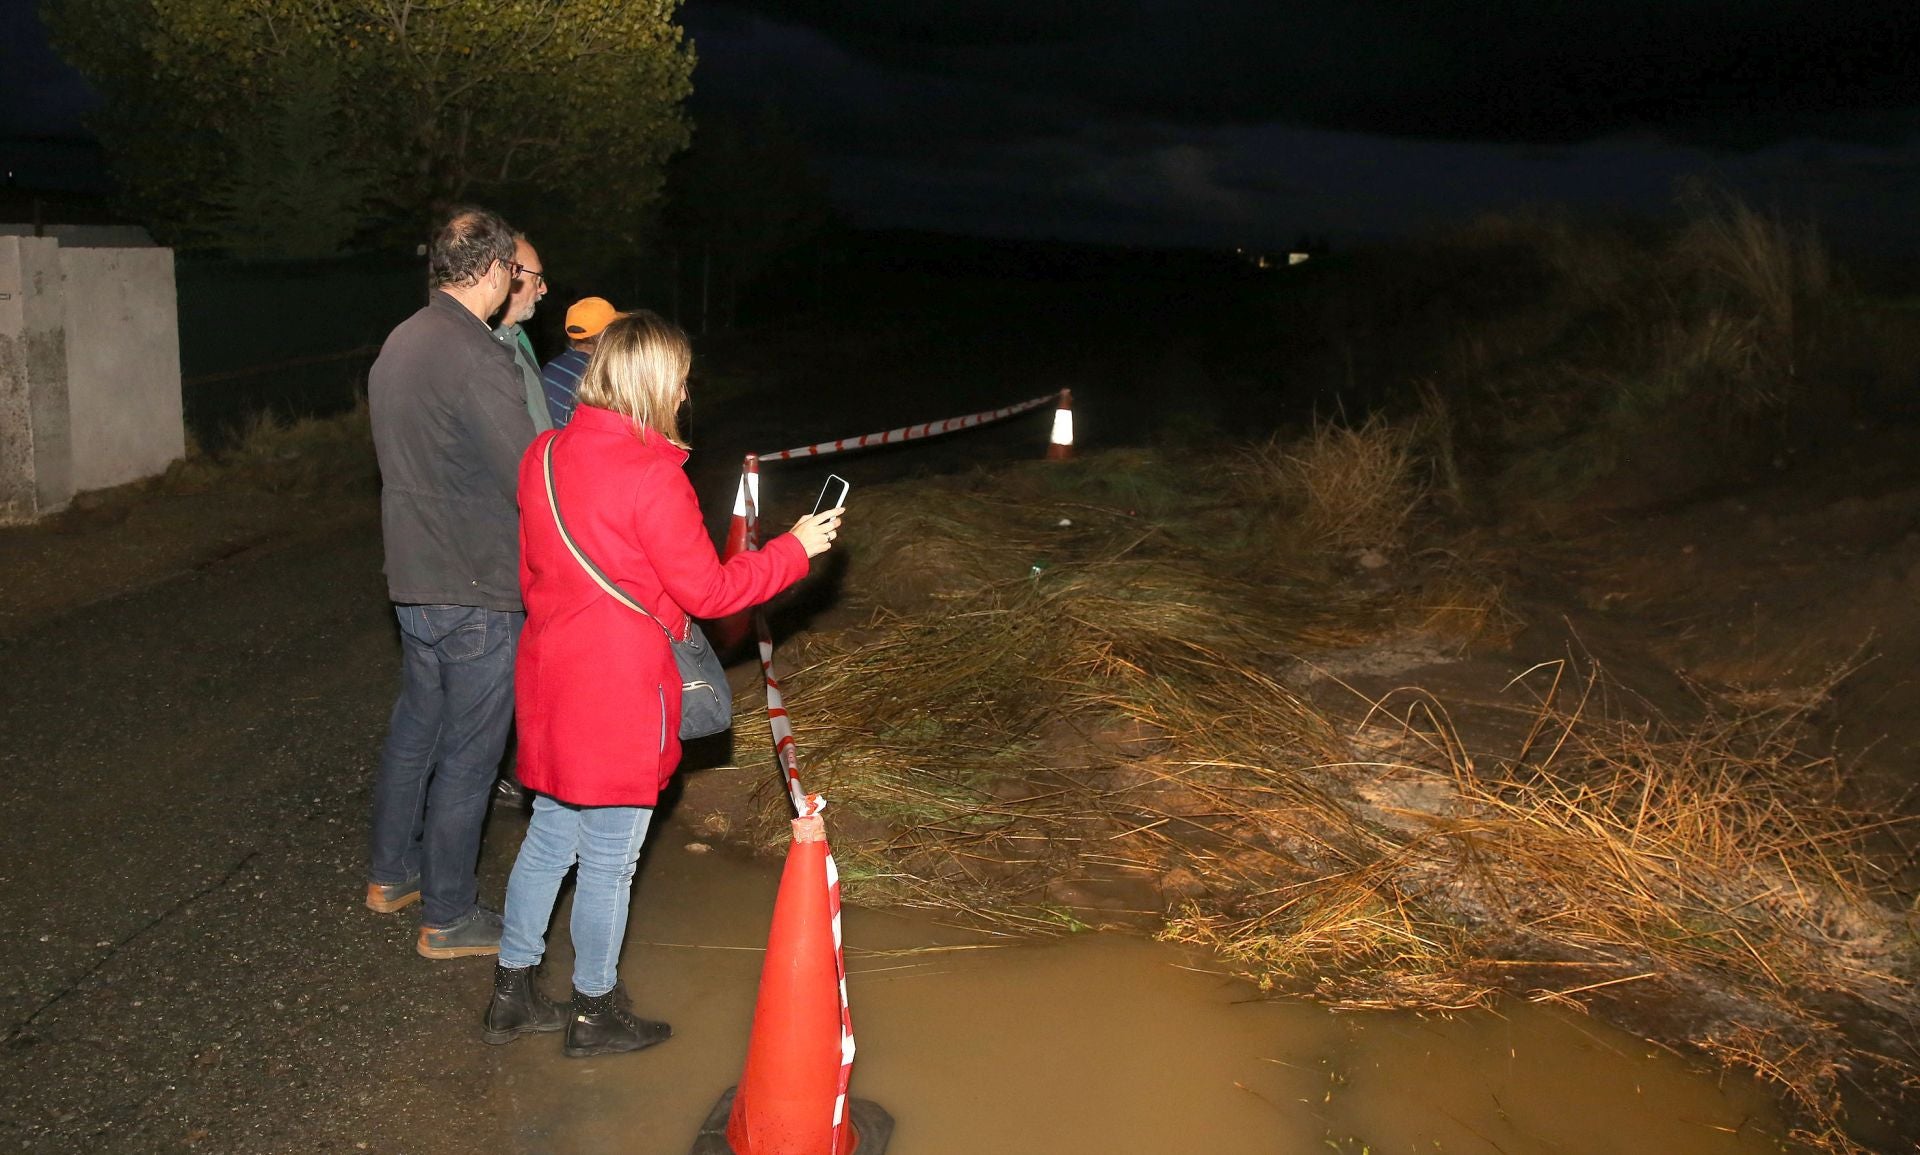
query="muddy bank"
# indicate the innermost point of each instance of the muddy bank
(1370, 774)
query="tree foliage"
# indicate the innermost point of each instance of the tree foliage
(294, 185)
(217, 110)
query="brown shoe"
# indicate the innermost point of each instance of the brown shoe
(399, 896)
(476, 933)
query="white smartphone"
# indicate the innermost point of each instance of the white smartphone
(833, 494)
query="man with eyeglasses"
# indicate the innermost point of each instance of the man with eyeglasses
(529, 285)
(449, 429)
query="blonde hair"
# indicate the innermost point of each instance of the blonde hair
(639, 370)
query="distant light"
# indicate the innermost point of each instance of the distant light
(1262, 262)
(1298, 258)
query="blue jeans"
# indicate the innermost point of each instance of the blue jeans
(444, 743)
(606, 841)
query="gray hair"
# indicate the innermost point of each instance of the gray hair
(466, 245)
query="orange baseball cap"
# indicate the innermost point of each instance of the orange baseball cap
(588, 315)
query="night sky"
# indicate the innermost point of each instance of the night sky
(1222, 122)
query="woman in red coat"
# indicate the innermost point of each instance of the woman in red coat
(597, 693)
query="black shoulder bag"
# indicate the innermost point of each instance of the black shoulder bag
(706, 700)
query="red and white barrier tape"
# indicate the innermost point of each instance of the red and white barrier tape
(805, 805)
(846, 1014)
(746, 509)
(909, 432)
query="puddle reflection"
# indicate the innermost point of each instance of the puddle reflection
(1098, 1044)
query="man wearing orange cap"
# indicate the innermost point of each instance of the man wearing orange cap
(585, 320)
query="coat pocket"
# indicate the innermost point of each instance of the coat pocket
(662, 691)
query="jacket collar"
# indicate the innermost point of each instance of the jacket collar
(443, 300)
(598, 420)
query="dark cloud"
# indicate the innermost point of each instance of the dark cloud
(1230, 121)
(1549, 71)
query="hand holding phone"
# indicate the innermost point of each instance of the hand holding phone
(817, 530)
(833, 495)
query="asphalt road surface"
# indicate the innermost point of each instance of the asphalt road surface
(183, 960)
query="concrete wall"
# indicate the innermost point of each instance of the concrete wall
(83, 236)
(36, 461)
(123, 364)
(89, 371)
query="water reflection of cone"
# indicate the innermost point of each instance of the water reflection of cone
(1060, 444)
(792, 1099)
(727, 633)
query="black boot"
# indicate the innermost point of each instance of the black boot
(518, 1008)
(606, 1025)
(508, 792)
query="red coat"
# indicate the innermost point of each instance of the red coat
(596, 691)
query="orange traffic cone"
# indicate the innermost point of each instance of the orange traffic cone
(792, 1099)
(1060, 445)
(727, 633)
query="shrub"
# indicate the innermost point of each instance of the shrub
(1350, 488)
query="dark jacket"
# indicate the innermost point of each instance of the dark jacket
(449, 425)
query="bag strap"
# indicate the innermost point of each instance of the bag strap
(586, 563)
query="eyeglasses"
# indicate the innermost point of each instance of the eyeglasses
(517, 270)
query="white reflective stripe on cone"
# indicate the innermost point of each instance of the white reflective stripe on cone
(748, 481)
(1063, 427)
(839, 1109)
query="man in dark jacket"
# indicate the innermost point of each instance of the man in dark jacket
(449, 426)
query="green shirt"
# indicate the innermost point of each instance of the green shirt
(515, 338)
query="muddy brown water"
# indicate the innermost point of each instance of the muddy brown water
(1096, 1043)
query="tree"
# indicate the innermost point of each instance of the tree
(295, 186)
(436, 102)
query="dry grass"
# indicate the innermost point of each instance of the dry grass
(1115, 720)
(1460, 598)
(1714, 845)
(1711, 860)
(1343, 488)
(940, 723)
(1759, 271)
(1623, 343)
(1366, 495)
(277, 455)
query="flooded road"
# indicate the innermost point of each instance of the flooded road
(1096, 1043)
(187, 965)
